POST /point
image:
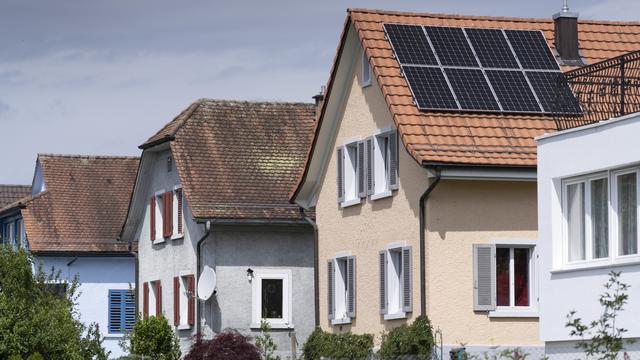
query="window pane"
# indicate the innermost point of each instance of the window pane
(502, 276)
(272, 298)
(575, 221)
(627, 212)
(600, 218)
(521, 276)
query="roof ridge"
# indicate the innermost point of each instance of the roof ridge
(81, 156)
(274, 102)
(14, 185)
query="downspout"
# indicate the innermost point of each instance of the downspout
(316, 264)
(207, 231)
(136, 271)
(423, 276)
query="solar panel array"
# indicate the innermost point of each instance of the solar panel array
(471, 69)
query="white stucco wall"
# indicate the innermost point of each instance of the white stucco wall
(574, 152)
(97, 275)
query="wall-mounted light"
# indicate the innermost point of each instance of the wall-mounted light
(249, 274)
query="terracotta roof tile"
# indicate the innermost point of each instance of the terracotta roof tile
(12, 193)
(84, 204)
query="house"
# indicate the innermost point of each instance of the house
(11, 228)
(212, 194)
(424, 185)
(70, 222)
(587, 207)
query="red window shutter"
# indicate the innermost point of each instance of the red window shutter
(152, 217)
(158, 298)
(179, 220)
(176, 301)
(191, 287)
(168, 214)
(145, 299)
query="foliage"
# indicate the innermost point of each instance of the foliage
(38, 317)
(153, 336)
(601, 338)
(226, 345)
(415, 339)
(337, 346)
(265, 343)
(35, 356)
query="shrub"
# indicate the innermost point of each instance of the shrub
(153, 336)
(337, 346)
(415, 339)
(226, 345)
(265, 343)
(35, 356)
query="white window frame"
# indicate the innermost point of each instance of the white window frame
(287, 298)
(397, 280)
(350, 174)
(340, 282)
(153, 294)
(177, 235)
(159, 217)
(382, 163)
(184, 302)
(613, 224)
(365, 79)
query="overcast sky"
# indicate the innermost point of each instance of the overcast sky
(100, 77)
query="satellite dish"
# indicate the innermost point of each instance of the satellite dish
(206, 283)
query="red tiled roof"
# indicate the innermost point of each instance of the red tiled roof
(84, 204)
(240, 160)
(12, 193)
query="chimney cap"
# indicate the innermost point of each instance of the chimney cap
(565, 12)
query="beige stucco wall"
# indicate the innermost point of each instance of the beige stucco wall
(459, 214)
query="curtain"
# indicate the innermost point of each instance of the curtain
(521, 276)
(600, 218)
(575, 219)
(503, 290)
(627, 214)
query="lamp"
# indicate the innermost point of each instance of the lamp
(249, 274)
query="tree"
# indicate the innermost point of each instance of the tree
(265, 343)
(37, 313)
(152, 336)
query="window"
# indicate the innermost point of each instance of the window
(627, 212)
(13, 233)
(122, 311)
(341, 289)
(166, 215)
(512, 277)
(152, 298)
(385, 164)
(351, 173)
(169, 163)
(184, 297)
(395, 281)
(366, 71)
(272, 298)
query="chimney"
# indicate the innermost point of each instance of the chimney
(319, 99)
(566, 36)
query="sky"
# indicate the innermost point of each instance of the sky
(100, 77)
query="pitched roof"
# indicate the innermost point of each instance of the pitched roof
(13, 193)
(238, 159)
(467, 138)
(84, 204)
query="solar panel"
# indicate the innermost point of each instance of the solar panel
(492, 48)
(471, 89)
(546, 84)
(410, 44)
(532, 49)
(451, 46)
(430, 88)
(513, 91)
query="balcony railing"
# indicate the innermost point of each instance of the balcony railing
(603, 90)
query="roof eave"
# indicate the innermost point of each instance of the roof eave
(157, 142)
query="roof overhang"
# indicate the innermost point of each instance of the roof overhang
(484, 173)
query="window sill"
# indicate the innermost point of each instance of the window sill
(597, 265)
(177, 236)
(184, 327)
(381, 195)
(396, 316)
(158, 241)
(513, 313)
(341, 321)
(273, 326)
(114, 336)
(351, 202)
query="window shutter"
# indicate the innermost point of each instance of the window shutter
(351, 287)
(158, 298)
(382, 263)
(179, 220)
(191, 287)
(362, 169)
(145, 299)
(407, 280)
(129, 310)
(152, 217)
(330, 288)
(370, 156)
(393, 160)
(340, 172)
(167, 217)
(116, 311)
(176, 301)
(484, 279)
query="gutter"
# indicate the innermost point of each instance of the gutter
(423, 277)
(207, 231)
(316, 266)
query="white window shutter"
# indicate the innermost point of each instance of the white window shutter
(382, 263)
(330, 288)
(370, 156)
(362, 169)
(484, 278)
(407, 280)
(393, 161)
(340, 172)
(351, 287)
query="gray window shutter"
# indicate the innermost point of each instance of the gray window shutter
(382, 261)
(351, 287)
(330, 288)
(393, 160)
(362, 170)
(484, 279)
(370, 156)
(407, 280)
(340, 172)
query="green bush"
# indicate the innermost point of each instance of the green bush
(415, 339)
(153, 336)
(15, 357)
(337, 346)
(35, 356)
